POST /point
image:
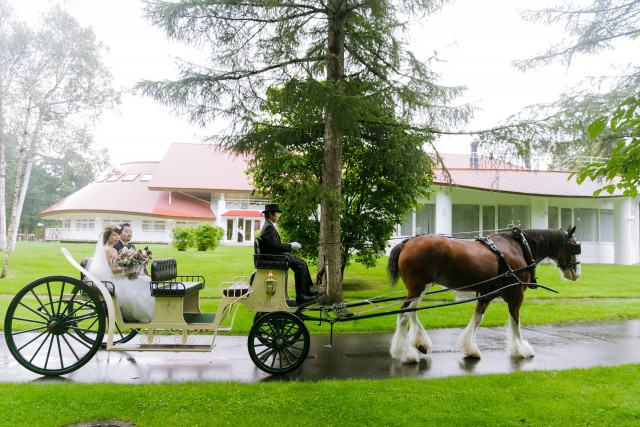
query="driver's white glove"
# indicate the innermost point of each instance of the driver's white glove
(295, 246)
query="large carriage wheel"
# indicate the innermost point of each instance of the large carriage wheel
(120, 335)
(44, 323)
(278, 342)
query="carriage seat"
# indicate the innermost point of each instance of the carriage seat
(165, 281)
(268, 261)
(86, 264)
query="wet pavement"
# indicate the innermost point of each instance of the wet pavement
(361, 355)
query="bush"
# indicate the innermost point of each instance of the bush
(182, 237)
(207, 236)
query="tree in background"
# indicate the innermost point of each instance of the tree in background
(258, 44)
(625, 159)
(561, 128)
(55, 90)
(384, 167)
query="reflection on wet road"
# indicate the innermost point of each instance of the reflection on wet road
(362, 355)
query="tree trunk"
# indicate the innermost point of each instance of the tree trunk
(13, 220)
(3, 176)
(332, 155)
(23, 193)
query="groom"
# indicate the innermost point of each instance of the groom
(271, 244)
(125, 237)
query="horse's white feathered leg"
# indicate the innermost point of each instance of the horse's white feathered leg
(400, 348)
(518, 346)
(467, 340)
(418, 336)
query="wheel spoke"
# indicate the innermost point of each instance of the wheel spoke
(29, 342)
(34, 311)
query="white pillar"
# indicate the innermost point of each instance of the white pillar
(539, 212)
(624, 251)
(444, 224)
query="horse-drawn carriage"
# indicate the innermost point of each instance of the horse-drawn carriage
(56, 324)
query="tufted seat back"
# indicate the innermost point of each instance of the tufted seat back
(163, 270)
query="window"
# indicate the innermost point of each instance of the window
(186, 223)
(229, 229)
(146, 177)
(115, 222)
(587, 224)
(426, 219)
(256, 227)
(130, 177)
(552, 219)
(406, 227)
(466, 221)
(113, 178)
(153, 225)
(566, 218)
(606, 226)
(66, 224)
(509, 216)
(85, 224)
(488, 220)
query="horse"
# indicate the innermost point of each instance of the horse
(425, 260)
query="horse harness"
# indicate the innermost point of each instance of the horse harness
(504, 269)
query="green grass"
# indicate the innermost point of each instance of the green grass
(598, 396)
(603, 291)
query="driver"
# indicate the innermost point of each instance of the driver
(271, 244)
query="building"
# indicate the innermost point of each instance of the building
(193, 184)
(197, 183)
(489, 196)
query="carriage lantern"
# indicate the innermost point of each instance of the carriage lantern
(270, 285)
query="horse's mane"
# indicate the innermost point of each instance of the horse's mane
(543, 242)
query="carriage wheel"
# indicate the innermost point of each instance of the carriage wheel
(278, 343)
(44, 323)
(120, 335)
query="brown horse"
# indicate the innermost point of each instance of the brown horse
(470, 265)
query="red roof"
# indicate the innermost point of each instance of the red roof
(125, 193)
(537, 183)
(200, 167)
(252, 214)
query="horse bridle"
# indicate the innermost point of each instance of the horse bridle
(574, 248)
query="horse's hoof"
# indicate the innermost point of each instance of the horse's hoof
(474, 356)
(423, 349)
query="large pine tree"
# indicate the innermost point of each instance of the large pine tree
(258, 44)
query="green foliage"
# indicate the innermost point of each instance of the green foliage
(182, 237)
(625, 159)
(206, 236)
(384, 167)
(561, 128)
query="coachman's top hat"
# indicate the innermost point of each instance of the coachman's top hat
(273, 207)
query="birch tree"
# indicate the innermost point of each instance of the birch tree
(61, 89)
(257, 44)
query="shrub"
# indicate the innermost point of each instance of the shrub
(207, 236)
(182, 237)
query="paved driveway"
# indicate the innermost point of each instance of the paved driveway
(362, 355)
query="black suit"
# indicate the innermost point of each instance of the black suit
(119, 245)
(271, 244)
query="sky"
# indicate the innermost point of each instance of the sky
(475, 40)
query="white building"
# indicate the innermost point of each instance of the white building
(196, 184)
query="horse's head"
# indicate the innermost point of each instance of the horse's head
(567, 256)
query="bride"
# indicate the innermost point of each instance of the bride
(133, 296)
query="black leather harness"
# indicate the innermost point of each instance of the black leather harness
(503, 265)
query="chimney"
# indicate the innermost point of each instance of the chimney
(473, 159)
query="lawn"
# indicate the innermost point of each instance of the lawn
(598, 396)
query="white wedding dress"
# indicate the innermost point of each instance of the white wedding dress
(133, 296)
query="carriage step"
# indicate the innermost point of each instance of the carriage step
(206, 318)
(162, 347)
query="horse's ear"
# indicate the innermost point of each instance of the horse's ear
(570, 231)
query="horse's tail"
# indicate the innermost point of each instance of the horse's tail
(392, 266)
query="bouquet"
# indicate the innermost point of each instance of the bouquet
(131, 261)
